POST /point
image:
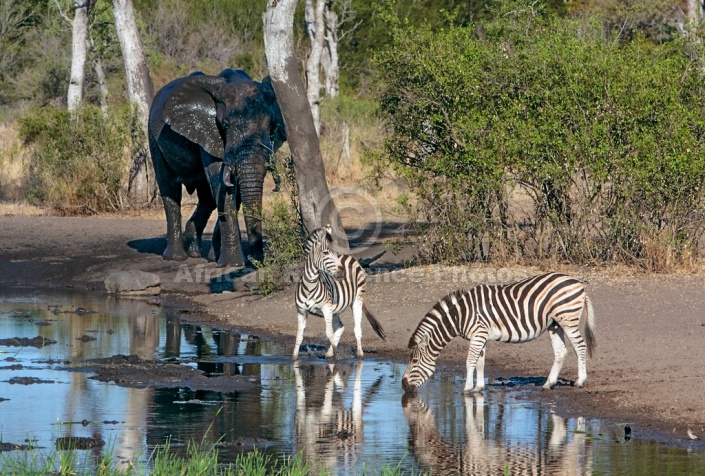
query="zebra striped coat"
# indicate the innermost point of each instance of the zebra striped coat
(329, 285)
(516, 312)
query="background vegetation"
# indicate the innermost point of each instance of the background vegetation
(522, 131)
(537, 136)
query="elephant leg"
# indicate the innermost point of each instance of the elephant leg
(230, 241)
(197, 223)
(214, 252)
(226, 236)
(170, 191)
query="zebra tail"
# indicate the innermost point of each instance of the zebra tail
(590, 327)
(374, 322)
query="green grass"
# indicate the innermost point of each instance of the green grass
(201, 460)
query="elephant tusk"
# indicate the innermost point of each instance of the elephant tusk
(226, 176)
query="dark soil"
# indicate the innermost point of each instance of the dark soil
(27, 381)
(4, 446)
(132, 371)
(37, 342)
(78, 443)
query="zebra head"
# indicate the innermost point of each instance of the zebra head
(317, 248)
(422, 363)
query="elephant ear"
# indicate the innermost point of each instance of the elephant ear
(192, 110)
(235, 75)
(277, 129)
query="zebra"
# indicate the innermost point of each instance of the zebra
(329, 285)
(488, 450)
(516, 312)
(331, 402)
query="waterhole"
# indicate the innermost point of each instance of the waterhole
(80, 370)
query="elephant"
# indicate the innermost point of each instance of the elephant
(215, 135)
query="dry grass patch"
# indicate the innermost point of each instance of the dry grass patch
(13, 159)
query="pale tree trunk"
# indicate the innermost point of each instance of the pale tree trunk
(141, 183)
(100, 74)
(79, 53)
(330, 57)
(316, 33)
(694, 13)
(317, 206)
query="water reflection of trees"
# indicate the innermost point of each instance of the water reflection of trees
(119, 326)
(329, 431)
(489, 451)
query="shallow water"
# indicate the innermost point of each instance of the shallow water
(350, 417)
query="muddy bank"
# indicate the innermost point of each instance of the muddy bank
(133, 371)
(647, 369)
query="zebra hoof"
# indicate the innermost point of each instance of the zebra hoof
(548, 386)
(473, 391)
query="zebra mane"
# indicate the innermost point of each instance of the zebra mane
(317, 237)
(431, 316)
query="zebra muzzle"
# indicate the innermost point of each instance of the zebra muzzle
(408, 388)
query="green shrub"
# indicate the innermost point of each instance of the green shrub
(284, 252)
(78, 162)
(539, 139)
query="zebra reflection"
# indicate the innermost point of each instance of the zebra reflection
(491, 456)
(330, 432)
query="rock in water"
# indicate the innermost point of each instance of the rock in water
(133, 282)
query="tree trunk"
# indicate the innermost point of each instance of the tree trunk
(317, 206)
(79, 53)
(694, 13)
(141, 182)
(316, 33)
(330, 56)
(100, 74)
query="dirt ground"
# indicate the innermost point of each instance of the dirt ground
(648, 368)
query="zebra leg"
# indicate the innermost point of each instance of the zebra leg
(357, 320)
(334, 330)
(480, 370)
(559, 352)
(475, 353)
(576, 339)
(338, 329)
(300, 332)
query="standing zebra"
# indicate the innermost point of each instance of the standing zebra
(329, 285)
(516, 312)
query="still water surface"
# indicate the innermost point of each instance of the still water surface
(349, 418)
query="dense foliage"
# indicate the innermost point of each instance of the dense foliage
(78, 160)
(539, 137)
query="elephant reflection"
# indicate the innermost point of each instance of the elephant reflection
(482, 455)
(327, 431)
(215, 135)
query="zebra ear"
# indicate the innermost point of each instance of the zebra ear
(329, 233)
(420, 341)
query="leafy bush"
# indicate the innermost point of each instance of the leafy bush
(283, 253)
(538, 138)
(78, 162)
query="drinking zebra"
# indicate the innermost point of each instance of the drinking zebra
(516, 312)
(489, 449)
(329, 285)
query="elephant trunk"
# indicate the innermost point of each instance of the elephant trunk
(250, 178)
